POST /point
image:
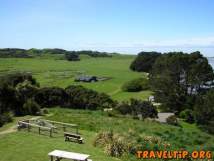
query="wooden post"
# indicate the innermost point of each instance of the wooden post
(64, 128)
(51, 132)
(52, 159)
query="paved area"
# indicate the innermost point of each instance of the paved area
(162, 116)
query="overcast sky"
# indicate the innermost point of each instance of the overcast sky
(126, 26)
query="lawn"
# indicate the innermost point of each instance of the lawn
(24, 146)
(54, 71)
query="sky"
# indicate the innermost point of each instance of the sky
(125, 26)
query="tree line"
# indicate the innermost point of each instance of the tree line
(69, 55)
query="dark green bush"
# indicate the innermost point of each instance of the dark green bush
(136, 85)
(5, 118)
(13, 79)
(172, 120)
(83, 98)
(138, 108)
(45, 111)
(51, 96)
(187, 115)
(31, 107)
(72, 56)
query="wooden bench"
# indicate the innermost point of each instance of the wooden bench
(73, 137)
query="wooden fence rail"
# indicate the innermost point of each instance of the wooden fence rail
(29, 125)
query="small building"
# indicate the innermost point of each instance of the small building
(86, 79)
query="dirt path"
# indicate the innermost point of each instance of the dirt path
(9, 130)
(13, 128)
(114, 92)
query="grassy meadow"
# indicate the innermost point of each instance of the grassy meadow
(54, 71)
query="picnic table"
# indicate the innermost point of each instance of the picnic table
(59, 155)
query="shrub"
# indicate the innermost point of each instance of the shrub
(136, 85)
(187, 115)
(124, 108)
(172, 120)
(137, 108)
(83, 98)
(51, 96)
(15, 78)
(31, 107)
(72, 56)
(5, 118)
(114, 144)
(26, 90)
(45, 111)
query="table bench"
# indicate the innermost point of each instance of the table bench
(73, 137)
(59, 155)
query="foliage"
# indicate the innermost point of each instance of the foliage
(187, 115)
(137, 108)
(31, 107)
(114, 145)
(51, 96)
(5, 118)
(13, 53)
(144, 61)
(72, 56)
(14, 79)
(204, 111)
(94, 53)
(26, 90)
(136, 85)
(83, 98)
(172, 120)
(177, 79)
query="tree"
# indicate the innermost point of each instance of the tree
(144, 61)
(177, 78)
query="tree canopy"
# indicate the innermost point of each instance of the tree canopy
(178, 77)
(144, 61)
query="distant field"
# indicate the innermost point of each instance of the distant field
(54, 71)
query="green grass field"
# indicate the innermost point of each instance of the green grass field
(53, 71)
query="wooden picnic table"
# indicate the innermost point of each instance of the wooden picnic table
(59, 154)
